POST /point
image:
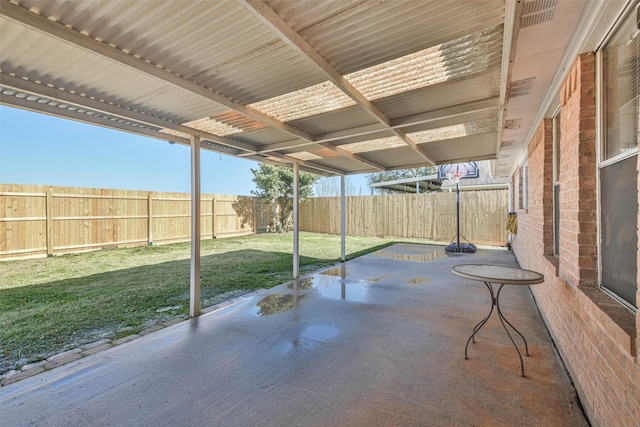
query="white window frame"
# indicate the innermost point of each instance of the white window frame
(600, 163)
(524, 185)
(555, 160)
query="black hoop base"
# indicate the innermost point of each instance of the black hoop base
(462, 247)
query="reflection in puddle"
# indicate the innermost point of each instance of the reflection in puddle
(418, 280)
(339, 271)
(423, 257)
(301, 284)
(320, 332)
(286, 346)
(374, 279)
(330, 287)
(275, 303)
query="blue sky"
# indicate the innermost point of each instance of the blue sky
(40, 149)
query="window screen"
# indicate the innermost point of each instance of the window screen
(619, 219)
(618, 178)
(620, 68)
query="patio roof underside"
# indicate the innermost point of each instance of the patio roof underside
(343, 87)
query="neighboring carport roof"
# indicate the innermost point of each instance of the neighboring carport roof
(417, 184)
(485, 181)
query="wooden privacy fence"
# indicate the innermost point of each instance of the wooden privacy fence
(483, 215)
(39, 220)
(43, 220)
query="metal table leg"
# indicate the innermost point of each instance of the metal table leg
(495, 301)
(503, 320)
(481, 323)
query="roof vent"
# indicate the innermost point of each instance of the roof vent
(538, 12)
(521, 87)
(512, 124)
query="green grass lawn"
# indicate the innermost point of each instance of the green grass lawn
(49, 305)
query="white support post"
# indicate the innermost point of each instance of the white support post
(194, 290)
(296, 255)
(343, 218)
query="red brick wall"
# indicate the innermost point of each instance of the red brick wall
(578, 175)
(595, 335)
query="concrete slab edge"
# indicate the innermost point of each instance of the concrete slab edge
(68, 356)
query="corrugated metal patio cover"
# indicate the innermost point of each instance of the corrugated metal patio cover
(340, 87)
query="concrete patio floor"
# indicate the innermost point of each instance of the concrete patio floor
(377, 341)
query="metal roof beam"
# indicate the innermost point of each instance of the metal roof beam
(259, 159)
(354, 156)
(287, 144)
(93, 104)
(298, 144)
(274, 22)
(55, 29)
(312, 165)
(352, 132)
(332, 147)
(84, 118)
(460, 111)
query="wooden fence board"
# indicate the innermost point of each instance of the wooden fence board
(39, 220)
(428, 216)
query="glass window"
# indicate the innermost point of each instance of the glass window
(524, 186)
(620, 90)
(618, 164)
(556, 184)
(619, 219)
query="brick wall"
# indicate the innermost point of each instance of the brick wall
(578, 175)
(595, 335)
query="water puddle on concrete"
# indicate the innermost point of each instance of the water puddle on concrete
(276, 303)
(343, 272)
(420, 257)
(339, 271)
(336, 288)
(324, 333)
(418, 280)
(301, 284)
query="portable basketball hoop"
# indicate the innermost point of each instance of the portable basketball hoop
(454, 175)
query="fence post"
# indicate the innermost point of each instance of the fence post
(48, 215)
(255, 217)
(150, 224)
(213, 218)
